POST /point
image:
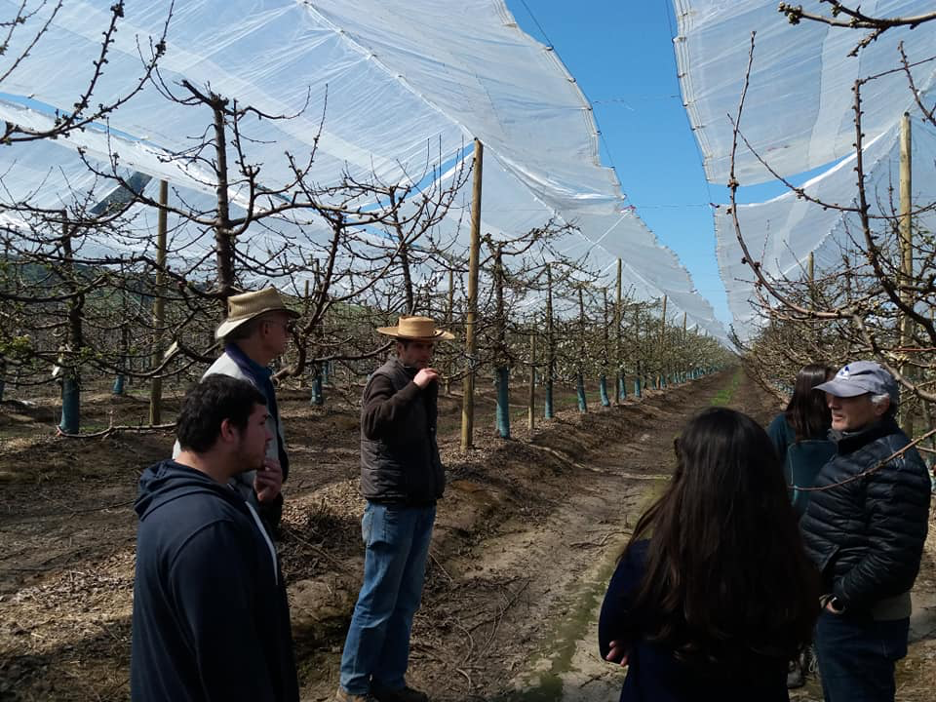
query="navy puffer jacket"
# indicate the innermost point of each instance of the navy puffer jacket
(866, 535)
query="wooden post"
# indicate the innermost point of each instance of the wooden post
(662, 346)
(531, 407)
(74, 340)
(550, 346)
(502, 412)
(685, 340)
(467, 428)
(449, 318)
(619, 389)
(639, 367)
(159, 305)
(906, 263)
(580, 376)
(603, 379)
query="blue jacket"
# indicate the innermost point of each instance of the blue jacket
(210, 618)
(801, 460)
(654, 674)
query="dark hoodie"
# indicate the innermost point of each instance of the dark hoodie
(210, 618)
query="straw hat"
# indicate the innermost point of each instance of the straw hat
(244, 307)
(416, 329)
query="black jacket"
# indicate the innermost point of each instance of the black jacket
(210, 618)
(866, 536)
(399, 454)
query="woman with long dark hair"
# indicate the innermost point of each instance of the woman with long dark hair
(800, 433)
(714, 593)
(801, 436)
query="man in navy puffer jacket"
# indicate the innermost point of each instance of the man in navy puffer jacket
(865, 528)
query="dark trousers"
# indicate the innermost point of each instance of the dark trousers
(857, 656)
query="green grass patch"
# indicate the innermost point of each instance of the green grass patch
(726, 394)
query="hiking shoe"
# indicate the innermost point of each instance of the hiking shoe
(404, 694)
(795, 675)
(342, 696)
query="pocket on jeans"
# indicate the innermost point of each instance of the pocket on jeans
(893, 636)
(367, 524)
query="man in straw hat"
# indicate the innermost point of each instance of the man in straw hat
(401, 478)
(256, 331)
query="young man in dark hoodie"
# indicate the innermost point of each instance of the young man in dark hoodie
(210, 617)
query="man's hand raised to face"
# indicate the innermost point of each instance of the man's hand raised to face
(426, 376)
(269, 480)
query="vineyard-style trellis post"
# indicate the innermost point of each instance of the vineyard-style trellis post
(619, 384)
(159, 304)
(74, 339)
(905, 236)
(531, 406)
(661, 380)
(638, 383)
(316, 370)
(580, 375)
(683, 343)
(603, 378)
(502, 412)
(467, 428)
(550, 346)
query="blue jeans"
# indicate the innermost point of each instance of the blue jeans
(397, 546)
(857, 656)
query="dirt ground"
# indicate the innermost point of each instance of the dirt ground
(525, 540)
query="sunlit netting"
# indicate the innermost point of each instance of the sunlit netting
(394, 88)
(798, 112)
(782, 232)
(798, 116)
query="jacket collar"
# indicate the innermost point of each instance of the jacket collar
(250, 367)
(852, 441)
(408, 370)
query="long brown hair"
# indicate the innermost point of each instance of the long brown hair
(726, 579)
(807, 411)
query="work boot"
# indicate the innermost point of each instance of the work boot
(342, 696)
(796, 674)
(403, 694)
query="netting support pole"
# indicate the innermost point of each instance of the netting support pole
(467, 426)
(906, 263)
(660, 377)
(159, 305)
(531, 406)
(620, 390)
(550, 347)
(580, 379)
(449, 319)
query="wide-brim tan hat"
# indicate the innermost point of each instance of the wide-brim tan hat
(244, 307)
(416, 329)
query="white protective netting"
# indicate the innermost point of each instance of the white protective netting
(798, 111)
(798, 116)
(782, 232)
(408, 84)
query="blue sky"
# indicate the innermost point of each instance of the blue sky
(621, 54)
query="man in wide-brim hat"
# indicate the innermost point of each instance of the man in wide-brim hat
(256, 331)
(401, 478)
